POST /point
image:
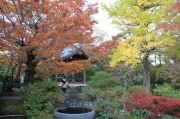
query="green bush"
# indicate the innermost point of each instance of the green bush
(41, 97)
(102, 80)
(143, 113)
(107, 103)
(43, 115)
(167, 90)
(89, 73)
(107, 108)
(137, 88)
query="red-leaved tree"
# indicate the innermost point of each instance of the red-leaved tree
(41, 30)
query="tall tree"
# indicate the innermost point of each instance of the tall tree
(139, 18)
(172, 25)
(41, 29)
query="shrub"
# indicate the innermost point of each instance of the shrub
(102, 80)
(137, 88)
(142, 113)
(40, 97)
(167, 90)
(105, 102)
(157, 105)
(107, 108)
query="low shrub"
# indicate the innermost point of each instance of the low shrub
(41, 97)
(102, 80)
(137, 88)
(141, 113)
(157, 105)
(107, 103)
(108, 108)
(167, 90)
(43, 115)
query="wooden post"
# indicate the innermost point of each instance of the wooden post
(84, 76)
(56, 77)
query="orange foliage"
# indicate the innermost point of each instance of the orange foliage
(43, 29)
(103, 50)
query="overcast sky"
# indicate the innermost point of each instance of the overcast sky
(105, 23)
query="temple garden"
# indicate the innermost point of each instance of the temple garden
(56, 63)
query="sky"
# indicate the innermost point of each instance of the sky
(104, 22)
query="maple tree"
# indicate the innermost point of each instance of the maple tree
(36, 0)
(171, 23)
(156, 104)
(41, 30)
(138, 18)
(103, 48)
(172, 26)
(100, 52)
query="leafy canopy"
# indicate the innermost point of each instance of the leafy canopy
(41, 30)
(138, 17)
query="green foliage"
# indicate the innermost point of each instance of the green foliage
(102, 80)
(41, 97)
(43, 115)
(90, 72)
(11, 107)
(108, 102)
(138, 20)
(137, 88)
(167, 90)
(107, 108)
(143, 113)
(136, 17)
(165, 117)
(2, 71)
(90, 96)
(100, 65)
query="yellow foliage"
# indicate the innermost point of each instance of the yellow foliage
(139, 17)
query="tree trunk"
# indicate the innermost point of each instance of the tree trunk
(84, 76)
(155, 59)
(160, 60)
(146, 66)
(18, 71)
(8, 69)
(30, 66)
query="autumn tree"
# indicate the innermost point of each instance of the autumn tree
(101, 50)
(41, 29)
(172, 25)
(139, 17)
